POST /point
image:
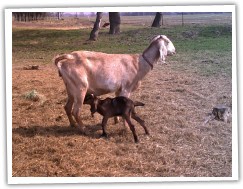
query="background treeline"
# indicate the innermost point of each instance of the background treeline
(32, 16)
(29, 16)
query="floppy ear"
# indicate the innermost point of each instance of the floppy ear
(163, 52)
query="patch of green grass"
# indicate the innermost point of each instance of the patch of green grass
(194, 44)
(205, 53)
(35, 44)
(31, 95)
(215, 31)
(205, 62)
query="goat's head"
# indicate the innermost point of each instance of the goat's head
(166, 46)
(169, 45)
(93, 101)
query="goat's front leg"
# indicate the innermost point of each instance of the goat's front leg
(116, 118)
(104, 123)
(68, 108)
(126, 94)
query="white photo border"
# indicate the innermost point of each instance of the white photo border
(45, 180)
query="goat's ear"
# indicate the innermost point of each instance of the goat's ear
(163, 52)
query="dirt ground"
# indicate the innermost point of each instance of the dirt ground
(177, 104)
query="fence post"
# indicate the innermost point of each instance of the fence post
(182, 18)
(162, 19)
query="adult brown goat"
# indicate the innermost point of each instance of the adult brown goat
(100, 73)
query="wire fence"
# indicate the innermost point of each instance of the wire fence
(167, 19)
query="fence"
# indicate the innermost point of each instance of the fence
(144, 19)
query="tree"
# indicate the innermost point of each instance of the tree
(29, 16)
(95, 31)
(59, 14)
(157, 20)
(182, 19)
(115, 21)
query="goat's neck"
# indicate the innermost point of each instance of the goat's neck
(99, 108)
(151, 54)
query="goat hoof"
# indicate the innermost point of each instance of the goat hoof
(82, 132)
(73, 125)
(104, 135)
(136, 141)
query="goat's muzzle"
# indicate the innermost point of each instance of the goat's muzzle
(171, 53)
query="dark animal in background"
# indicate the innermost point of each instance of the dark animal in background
(118, 106)
(106, 24)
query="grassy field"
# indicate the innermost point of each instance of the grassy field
(178, 95)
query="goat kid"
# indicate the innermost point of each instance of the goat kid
(118, 106)
(100, 73)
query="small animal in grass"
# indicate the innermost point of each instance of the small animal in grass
(219, 112)
(118, 106)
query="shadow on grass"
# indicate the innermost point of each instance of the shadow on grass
(57, 131)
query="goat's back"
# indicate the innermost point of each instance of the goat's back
(102, 73)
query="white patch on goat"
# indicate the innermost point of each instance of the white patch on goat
(170, 48)
(169, 45)
(163, 51)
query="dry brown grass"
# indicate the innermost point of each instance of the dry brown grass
(176, 105)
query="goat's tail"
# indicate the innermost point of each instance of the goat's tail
(137, 103)
(58, 58)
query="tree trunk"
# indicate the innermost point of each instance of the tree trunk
(182, 19)
(115, 21)
(157, 20)
(58, 15)
(162, 19)
(95, 31)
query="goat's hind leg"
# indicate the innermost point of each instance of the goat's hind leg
(140, 121)
(127, 118)
(68, 108)
(78, 103)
